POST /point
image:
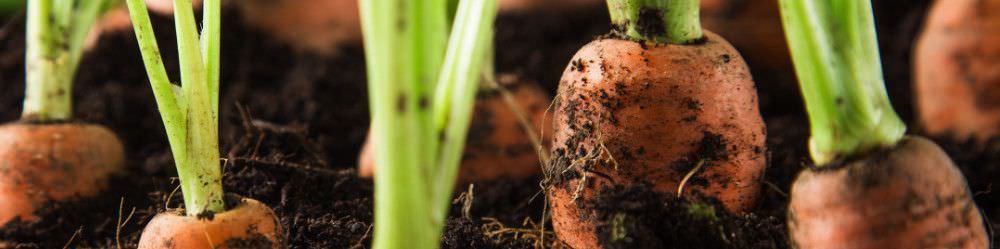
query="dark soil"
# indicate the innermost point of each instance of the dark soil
(292, 125)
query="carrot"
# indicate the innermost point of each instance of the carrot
(53, 162)
(190, 115)
(661, 105)
(250, 224)
(955, 81)
(871, 187)
(908, 196)
(46, 156)
(498, 145)
(754, 27)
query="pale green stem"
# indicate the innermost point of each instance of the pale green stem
(189, 115)
(471, 39)
(56, 30)
(402, 209)
(201, 179)
(417, 170)
(836, 57)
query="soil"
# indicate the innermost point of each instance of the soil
(293, 124)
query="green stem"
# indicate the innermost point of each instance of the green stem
(188, 113)
(420, 138)
(402, 210)
(661, 21)
(470, 43)
(56, 30)
(836, 57)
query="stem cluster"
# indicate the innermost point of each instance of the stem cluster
(189, 112)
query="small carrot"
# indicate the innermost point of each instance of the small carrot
(190, 116)
(872, 187)
(47, 156)
(245, 225)
(498, 145)
(956, 83)
(662, 101)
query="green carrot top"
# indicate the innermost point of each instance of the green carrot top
(834, 48)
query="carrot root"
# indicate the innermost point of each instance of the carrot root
(910, 196)
(41, 163)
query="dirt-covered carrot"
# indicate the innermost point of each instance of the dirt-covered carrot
(872, 187)
(498, 144)
(956, 81)
(190, 116)
(47, 156)
(664, 105)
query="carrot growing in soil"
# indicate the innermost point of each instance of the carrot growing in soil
(956, 82)
(660, 103)
(422, 84)
(47, 156)
(872, 186)
(190, 115)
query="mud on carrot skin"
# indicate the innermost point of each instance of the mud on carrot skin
(658, 103)
(871, 186)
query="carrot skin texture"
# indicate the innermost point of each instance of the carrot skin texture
(251, 220)
(40, 163)
(956, 82)
(659, 111)
(911, 196)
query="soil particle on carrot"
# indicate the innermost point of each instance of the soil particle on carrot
(711, 129)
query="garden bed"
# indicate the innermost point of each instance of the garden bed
(293, 124)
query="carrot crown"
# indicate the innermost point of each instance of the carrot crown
(661, 21)
(190, 112)
(422, 83)
(834, 48)
(56, 31)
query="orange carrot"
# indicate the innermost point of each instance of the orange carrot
(956, 83)
(45, 156)
(910, 196)
(209, 220)
(53, 162)
(871, 187)
(647, 112)
(249, 224)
